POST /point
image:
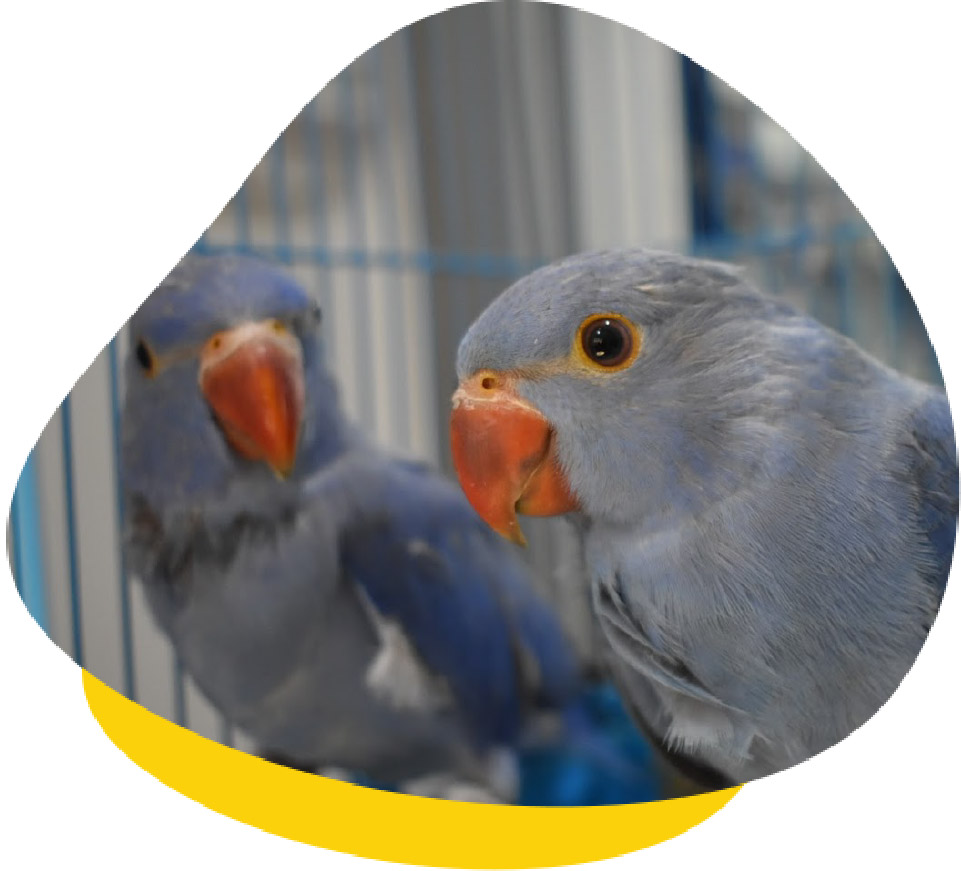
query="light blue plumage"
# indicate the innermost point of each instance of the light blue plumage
(342, 607)
(768, 513)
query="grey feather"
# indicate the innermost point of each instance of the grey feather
(768, 512)
(259, 582)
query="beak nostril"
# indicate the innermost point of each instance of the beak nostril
(488, 382)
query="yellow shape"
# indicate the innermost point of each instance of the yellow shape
(383, 825)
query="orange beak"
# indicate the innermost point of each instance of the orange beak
(504, 455)
(253, 379)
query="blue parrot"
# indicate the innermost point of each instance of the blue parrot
(345, 608)
(768, 513)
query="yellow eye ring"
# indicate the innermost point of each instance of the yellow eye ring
(607, 341)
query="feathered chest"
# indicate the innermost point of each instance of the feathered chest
(245, 569)
(244, 602)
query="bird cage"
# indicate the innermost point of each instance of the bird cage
(447, 161)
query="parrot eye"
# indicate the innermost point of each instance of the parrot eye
(144, 356)
(609, 341)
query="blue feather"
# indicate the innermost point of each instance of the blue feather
(465, 608)
(265, 586)
(600, 759)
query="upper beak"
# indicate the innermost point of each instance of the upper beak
(504, 455)
(252, 377)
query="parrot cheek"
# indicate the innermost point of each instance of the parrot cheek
(503, 455)
(256, 392)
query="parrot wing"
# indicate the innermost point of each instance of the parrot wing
(637, 664)
(443, 584)
(627, 637)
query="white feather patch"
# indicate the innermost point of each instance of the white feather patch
(418, 547)
(396, 674)
(696, 727)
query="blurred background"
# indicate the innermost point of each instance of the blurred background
(452, 158)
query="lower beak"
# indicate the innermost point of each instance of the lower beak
(503, 451)
(253, 379)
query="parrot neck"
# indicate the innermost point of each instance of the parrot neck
(326, 434)
(165, 548)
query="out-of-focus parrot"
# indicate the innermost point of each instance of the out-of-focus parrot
(768, 513)
(342, 607)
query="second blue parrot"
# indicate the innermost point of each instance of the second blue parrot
(342, 607)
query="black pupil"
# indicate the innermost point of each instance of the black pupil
(605, 342)
(143, 355)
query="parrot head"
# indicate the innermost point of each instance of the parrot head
(621, 385)
(224, 377)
